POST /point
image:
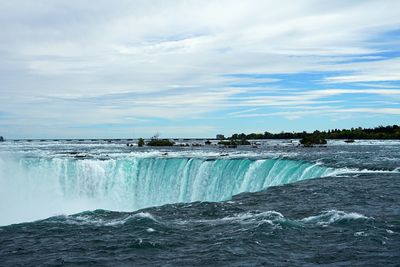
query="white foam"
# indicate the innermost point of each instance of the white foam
(276, 219)
(145, 215)
(361, 233)
(270, 217)
(332, 216)
(368, 142)
(92, 219)
(361, 171)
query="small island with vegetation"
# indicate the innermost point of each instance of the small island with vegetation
(140, 142)
(311, 140)
(155, 141)
(160, 142)
(234, 143)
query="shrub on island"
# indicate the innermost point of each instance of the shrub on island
(242, 142)
(234, 143)
(311, 140)
(140, 142)
(230, 143)
(160, 142)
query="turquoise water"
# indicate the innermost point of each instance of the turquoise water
(65, 185)
(93, 203)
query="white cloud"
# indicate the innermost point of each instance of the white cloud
(76, 50)
(324, 111)
(376, 71)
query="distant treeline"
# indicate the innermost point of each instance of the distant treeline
(380, 132)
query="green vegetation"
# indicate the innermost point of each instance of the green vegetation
(228, 143)
(381, 132)
(140, 142)
(242, 142)
(311, 140)
(220, 137)
(160, 142)
(234, 143)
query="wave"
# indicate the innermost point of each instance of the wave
(334, 216)
(276, 220)
(271, 218)
(102, 218)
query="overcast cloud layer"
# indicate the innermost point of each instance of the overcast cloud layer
(196, 68)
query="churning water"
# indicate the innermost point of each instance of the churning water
(96, 203)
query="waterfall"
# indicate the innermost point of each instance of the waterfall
(38, 187)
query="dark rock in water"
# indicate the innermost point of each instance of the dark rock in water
(1, 139)
(349, 141)
(196, 144)
(234, 143)
(83, 156)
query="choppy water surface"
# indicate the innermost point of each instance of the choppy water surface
(99, 203)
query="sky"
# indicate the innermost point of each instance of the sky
(129, 69)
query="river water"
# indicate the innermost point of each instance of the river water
(103, 203)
